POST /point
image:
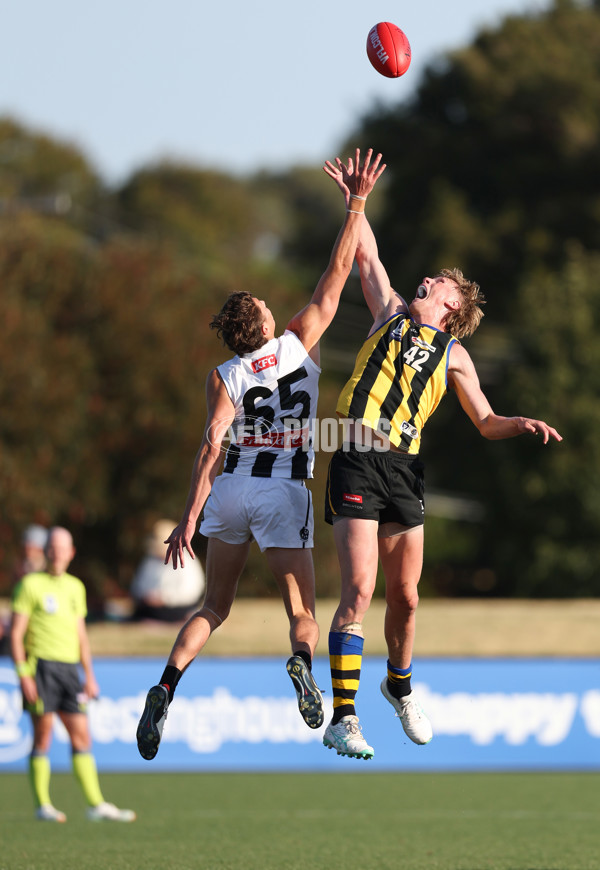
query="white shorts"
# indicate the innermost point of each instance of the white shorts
(275, 511)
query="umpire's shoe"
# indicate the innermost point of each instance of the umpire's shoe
(310, 699)
(150, 728)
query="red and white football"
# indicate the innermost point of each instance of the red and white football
(388, 49)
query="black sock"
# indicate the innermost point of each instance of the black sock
(399, 681)
(169, 680)
(306, 657)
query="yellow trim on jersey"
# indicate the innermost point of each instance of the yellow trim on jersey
(376, 390)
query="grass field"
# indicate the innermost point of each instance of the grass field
(294, 822)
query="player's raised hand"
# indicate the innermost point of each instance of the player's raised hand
(335, 172)
(354, 179)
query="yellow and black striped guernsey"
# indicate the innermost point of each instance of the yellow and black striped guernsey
(398, 381)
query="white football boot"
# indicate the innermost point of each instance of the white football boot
(346, 737)
(414, 721)
(48, 813)
(106, 812)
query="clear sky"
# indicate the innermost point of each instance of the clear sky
(236, 86)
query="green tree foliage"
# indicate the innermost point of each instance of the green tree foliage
(495, 163)
(494, 167)
(551, 497)
(104, 354)
(47, 368)
(39, 175)
(105, 346)
(204, 215)
(106, 297)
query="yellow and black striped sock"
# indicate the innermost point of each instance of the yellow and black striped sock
(345, 659)
(399, 680)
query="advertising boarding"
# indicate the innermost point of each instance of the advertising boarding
(236, 715)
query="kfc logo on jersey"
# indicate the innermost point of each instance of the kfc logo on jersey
(353, 499)
(265, 362)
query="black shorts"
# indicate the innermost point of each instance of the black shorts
(59, 688)
(375, 485)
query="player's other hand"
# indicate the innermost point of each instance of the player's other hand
(91, 688)
(29, 689)
(538, 427)
(179, 540)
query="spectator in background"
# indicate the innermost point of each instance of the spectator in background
(48, 643)
(32, 558)
(33, 545)
(158, 591)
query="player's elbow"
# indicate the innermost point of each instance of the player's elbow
(211, 450)
(366, 255)
(488, 429)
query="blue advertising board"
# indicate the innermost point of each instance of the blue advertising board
(487, 714)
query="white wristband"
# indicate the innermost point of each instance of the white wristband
(355, 196)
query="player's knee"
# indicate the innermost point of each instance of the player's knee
(41, 746)
(304, 614)
(403, 600)
(215, 616)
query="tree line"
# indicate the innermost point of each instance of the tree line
(106, 294)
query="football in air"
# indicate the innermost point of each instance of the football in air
(388, 49)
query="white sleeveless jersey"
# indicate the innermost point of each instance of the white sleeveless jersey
(274, 391)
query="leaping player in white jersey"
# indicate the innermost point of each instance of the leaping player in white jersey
(265, 400)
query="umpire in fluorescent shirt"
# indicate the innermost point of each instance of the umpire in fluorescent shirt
(49, 643)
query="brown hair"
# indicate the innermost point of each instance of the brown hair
(239, 323)
(464, 321)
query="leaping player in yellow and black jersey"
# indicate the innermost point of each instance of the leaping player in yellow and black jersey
(375, 489)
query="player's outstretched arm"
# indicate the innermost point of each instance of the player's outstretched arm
(206, 466)
(462, 377)
(310, 323)
(381, 298)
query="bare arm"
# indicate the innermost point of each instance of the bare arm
(18, 630)
(462, 378)
(310, 323)
(381, 298)
(206, 466)
(91, 686)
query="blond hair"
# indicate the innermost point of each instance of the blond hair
(464, 321)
